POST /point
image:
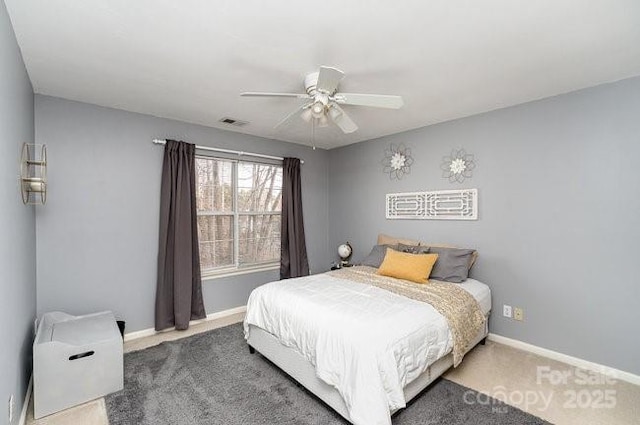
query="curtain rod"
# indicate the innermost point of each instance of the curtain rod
(239, 153)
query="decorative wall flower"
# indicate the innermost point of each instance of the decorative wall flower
(397, 161)
(458, 166)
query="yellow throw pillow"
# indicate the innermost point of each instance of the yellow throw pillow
(402, 265)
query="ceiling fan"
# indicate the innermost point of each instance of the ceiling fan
(324, 100)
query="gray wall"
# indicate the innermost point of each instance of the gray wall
(98, 234)
(17, 225)
(559, 223)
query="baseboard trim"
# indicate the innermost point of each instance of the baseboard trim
(210, 317)
(25, 404)
(565, 358)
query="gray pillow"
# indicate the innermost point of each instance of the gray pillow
(413, 249)
(452, 265)
(376, 256)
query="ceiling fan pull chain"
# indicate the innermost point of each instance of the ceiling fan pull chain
(313, 133)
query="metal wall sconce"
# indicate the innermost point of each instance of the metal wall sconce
(33, 174)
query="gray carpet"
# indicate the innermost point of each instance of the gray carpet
(211, 378)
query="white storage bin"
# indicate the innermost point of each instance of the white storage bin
(75, 359)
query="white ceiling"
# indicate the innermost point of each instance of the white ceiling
(189, 60)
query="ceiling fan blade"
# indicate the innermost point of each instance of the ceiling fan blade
(267, 94)
(341, 119)
(328, 79)
(292, 114)
(375, 100)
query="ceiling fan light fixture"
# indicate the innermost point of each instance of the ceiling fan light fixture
(317, 110)
(306, 115)
(323, 121)
(334, 113)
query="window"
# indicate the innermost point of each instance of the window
(239, 209)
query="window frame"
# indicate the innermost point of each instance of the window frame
(237, 268)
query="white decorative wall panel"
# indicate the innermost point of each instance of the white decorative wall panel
(459, 204)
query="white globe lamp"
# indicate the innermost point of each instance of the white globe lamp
(344, 252)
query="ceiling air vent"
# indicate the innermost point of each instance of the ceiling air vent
(233, 121)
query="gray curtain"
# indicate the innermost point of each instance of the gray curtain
(179, 287)
(293, 254)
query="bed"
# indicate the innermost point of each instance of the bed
(363, 349)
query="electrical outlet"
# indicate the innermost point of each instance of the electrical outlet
(518, 314)
(506, 310)
(12, 406)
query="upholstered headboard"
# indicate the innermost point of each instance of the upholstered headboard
(392, 240)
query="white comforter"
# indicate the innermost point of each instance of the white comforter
(366, 342)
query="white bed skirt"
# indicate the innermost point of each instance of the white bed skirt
(295, 365)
